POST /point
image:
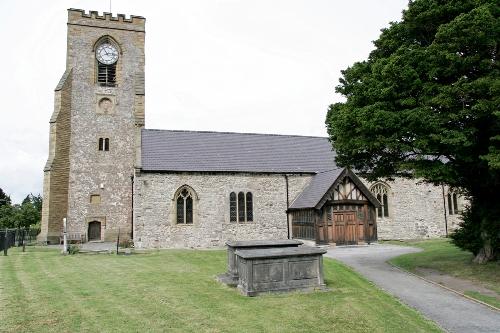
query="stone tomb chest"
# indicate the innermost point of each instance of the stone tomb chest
(231, 277)
(280, 269)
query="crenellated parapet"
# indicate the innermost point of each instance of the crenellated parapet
(93, 18)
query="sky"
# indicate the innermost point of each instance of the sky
(254, 66)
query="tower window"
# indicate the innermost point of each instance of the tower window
(95, 199)
(106, 74)
(104, 144)
(106, 54)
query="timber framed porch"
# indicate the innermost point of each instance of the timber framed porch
(345, 213)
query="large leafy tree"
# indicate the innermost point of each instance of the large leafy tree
(426, 104)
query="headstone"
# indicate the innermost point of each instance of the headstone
(280, 269)
(231, 276)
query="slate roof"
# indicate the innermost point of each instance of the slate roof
(166, 150)
(190, 151)
(316, 189)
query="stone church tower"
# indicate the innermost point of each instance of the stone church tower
(95, 128)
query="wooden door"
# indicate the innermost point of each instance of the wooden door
(345, 230)
(339, 228)
(94, 231)
(351, 234)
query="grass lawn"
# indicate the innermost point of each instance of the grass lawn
(175, 290)
(441, 255)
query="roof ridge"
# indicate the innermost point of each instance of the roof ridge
(223, 132)
(337, 168)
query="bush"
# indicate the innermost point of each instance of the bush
(128, 243)
(73, 249)
(475, 223)
(468, 236)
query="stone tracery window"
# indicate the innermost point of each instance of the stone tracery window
(381, 191)
(241, 207)
(184, 203)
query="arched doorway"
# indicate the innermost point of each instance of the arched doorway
(94, 232)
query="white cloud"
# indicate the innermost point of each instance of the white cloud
(246, 66)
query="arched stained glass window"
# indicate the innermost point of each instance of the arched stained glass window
(381, 192)
(249, 207)
(385, 205)
(180, 209)
(184, 203)
(453, 204)
(232, 207)
(241, 207)
(379, 210)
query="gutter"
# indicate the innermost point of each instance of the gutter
(287, 206)
(132, 216)
(445, 216)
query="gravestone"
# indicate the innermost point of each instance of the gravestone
(280, 269)
(231, 276)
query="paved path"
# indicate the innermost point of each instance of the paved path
(449, 310)
(92, 246)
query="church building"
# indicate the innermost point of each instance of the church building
(109, 176)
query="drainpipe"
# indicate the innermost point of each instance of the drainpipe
(445, 216)
(287, 205)
(132, 216)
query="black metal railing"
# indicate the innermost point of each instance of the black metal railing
(17, 237)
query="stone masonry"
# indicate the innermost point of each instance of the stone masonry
(154, 221)
(84, 169)
(416, 211)
(76, 169)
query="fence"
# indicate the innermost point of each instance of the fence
(19, 237)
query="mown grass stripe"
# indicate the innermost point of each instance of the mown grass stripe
(176, 291)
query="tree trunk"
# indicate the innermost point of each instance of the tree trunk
(487, 253)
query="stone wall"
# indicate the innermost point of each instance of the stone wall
(56, 170)
(90, 171)
(154, 222)
(416, 211)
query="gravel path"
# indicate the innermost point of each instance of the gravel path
(449, 310)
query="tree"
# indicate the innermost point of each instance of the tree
(35, 200)
(20, 216)
(4, 198)
(425, 104)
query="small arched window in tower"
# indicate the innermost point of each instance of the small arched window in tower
(104, 144)
(381, 191)
(106, 54)
(184, 202)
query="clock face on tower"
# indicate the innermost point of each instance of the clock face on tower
(106, 54)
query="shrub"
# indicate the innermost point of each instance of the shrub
(127, 243)
(73, 249)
